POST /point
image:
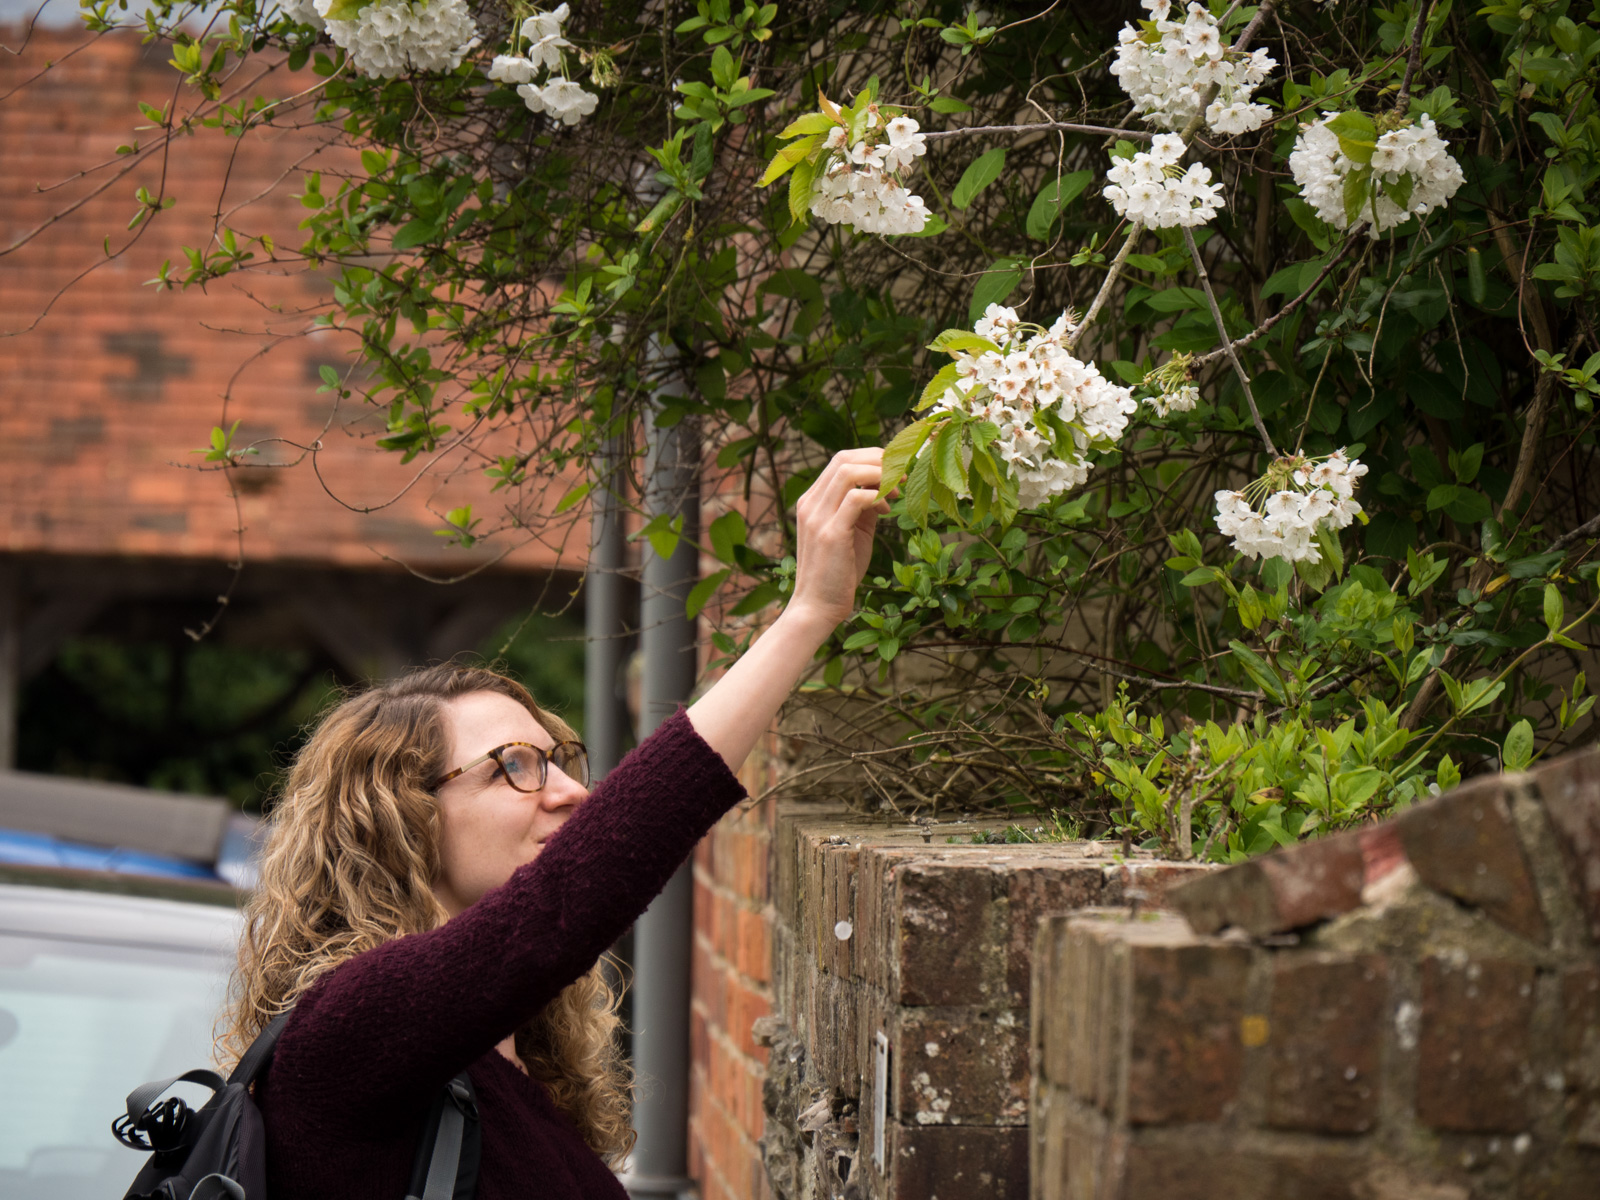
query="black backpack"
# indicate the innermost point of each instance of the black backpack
(220, 1150)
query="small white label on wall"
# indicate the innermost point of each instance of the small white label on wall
(880, 1096)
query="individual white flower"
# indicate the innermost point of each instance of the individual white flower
(532, 95)
(303, 12)
(997, 324)
(543, 25)
(1181, 399)
(546, 51)
(511, 68)
(393, 37)
(566, 101)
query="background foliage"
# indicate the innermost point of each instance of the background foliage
(531, 290)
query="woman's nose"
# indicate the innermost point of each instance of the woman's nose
(561, 790)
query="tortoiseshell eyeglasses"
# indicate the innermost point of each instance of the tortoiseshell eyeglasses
(526, 766)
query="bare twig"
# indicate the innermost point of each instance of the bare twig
(1138, 135)
(1211, 356)
(1222, 332)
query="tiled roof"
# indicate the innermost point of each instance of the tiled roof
(104, 398)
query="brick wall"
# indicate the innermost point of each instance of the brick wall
(875, 930)
(1411, 1012)
(104, 396)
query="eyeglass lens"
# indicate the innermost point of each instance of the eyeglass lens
(525, 767)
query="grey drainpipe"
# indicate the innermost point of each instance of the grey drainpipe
(663, 937)
(605, 711)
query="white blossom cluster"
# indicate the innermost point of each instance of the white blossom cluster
(1322, 496)
(559, 97)
(1030, 374)
(1168, 66)
(1320, 168)
(1152, 189)
(391, 37)
(861, 184)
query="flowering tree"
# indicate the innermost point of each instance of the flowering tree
(1247, 491)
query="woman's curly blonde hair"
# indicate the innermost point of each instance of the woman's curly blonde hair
(351, 856)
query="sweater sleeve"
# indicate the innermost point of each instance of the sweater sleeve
(387, 1028)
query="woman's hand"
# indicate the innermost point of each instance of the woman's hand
(836, 517)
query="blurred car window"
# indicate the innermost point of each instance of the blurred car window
(98, 994)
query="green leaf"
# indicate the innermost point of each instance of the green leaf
(810, 123)
(1052, 198)
(951, 340)
(897, 455)
(949, 104)
(700, 595)
(573, 498)
(947, 458)
(998, 282)
(756, 599)
(1554, 608)
(983, 171)
(1256, 667)
(1356, 191)
(942, 381)
(802, 186)
(726, 532)
(788, 157)
(1517, 752)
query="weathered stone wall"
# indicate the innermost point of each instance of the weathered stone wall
(896, 933)
(1411, 1012)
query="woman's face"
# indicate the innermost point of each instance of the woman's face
(487, 829)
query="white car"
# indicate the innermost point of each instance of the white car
(106, 982)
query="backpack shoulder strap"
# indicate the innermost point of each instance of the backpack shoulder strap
(254, 1060)
(446, 1166)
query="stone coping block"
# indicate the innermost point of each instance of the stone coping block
(1476, 844)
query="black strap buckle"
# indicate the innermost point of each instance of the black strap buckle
(159, 1128)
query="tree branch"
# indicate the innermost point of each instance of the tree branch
(1222, 332)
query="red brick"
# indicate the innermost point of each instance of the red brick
(1324, 1060)
(1569, 787)
(1184, 1052)
(1038, 892)
(961, 1163)
(960, 1066)
(1465, 845)
(949, 944)
(1475, 1048)
(1287, 889)
(1206, 1172)
(1580, 1051)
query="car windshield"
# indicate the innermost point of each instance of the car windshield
(81, 1025)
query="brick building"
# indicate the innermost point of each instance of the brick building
(108, 523)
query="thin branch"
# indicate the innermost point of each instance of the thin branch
(1402, 102)
(1222, 332)
(1039, 126)
(1210, 357)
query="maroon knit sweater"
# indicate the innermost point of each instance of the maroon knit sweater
(371, 1044)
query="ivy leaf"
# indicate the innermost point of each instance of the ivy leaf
(983, 171)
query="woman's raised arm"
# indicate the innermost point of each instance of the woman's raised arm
(835, 520)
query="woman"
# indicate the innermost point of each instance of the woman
(439, 886)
